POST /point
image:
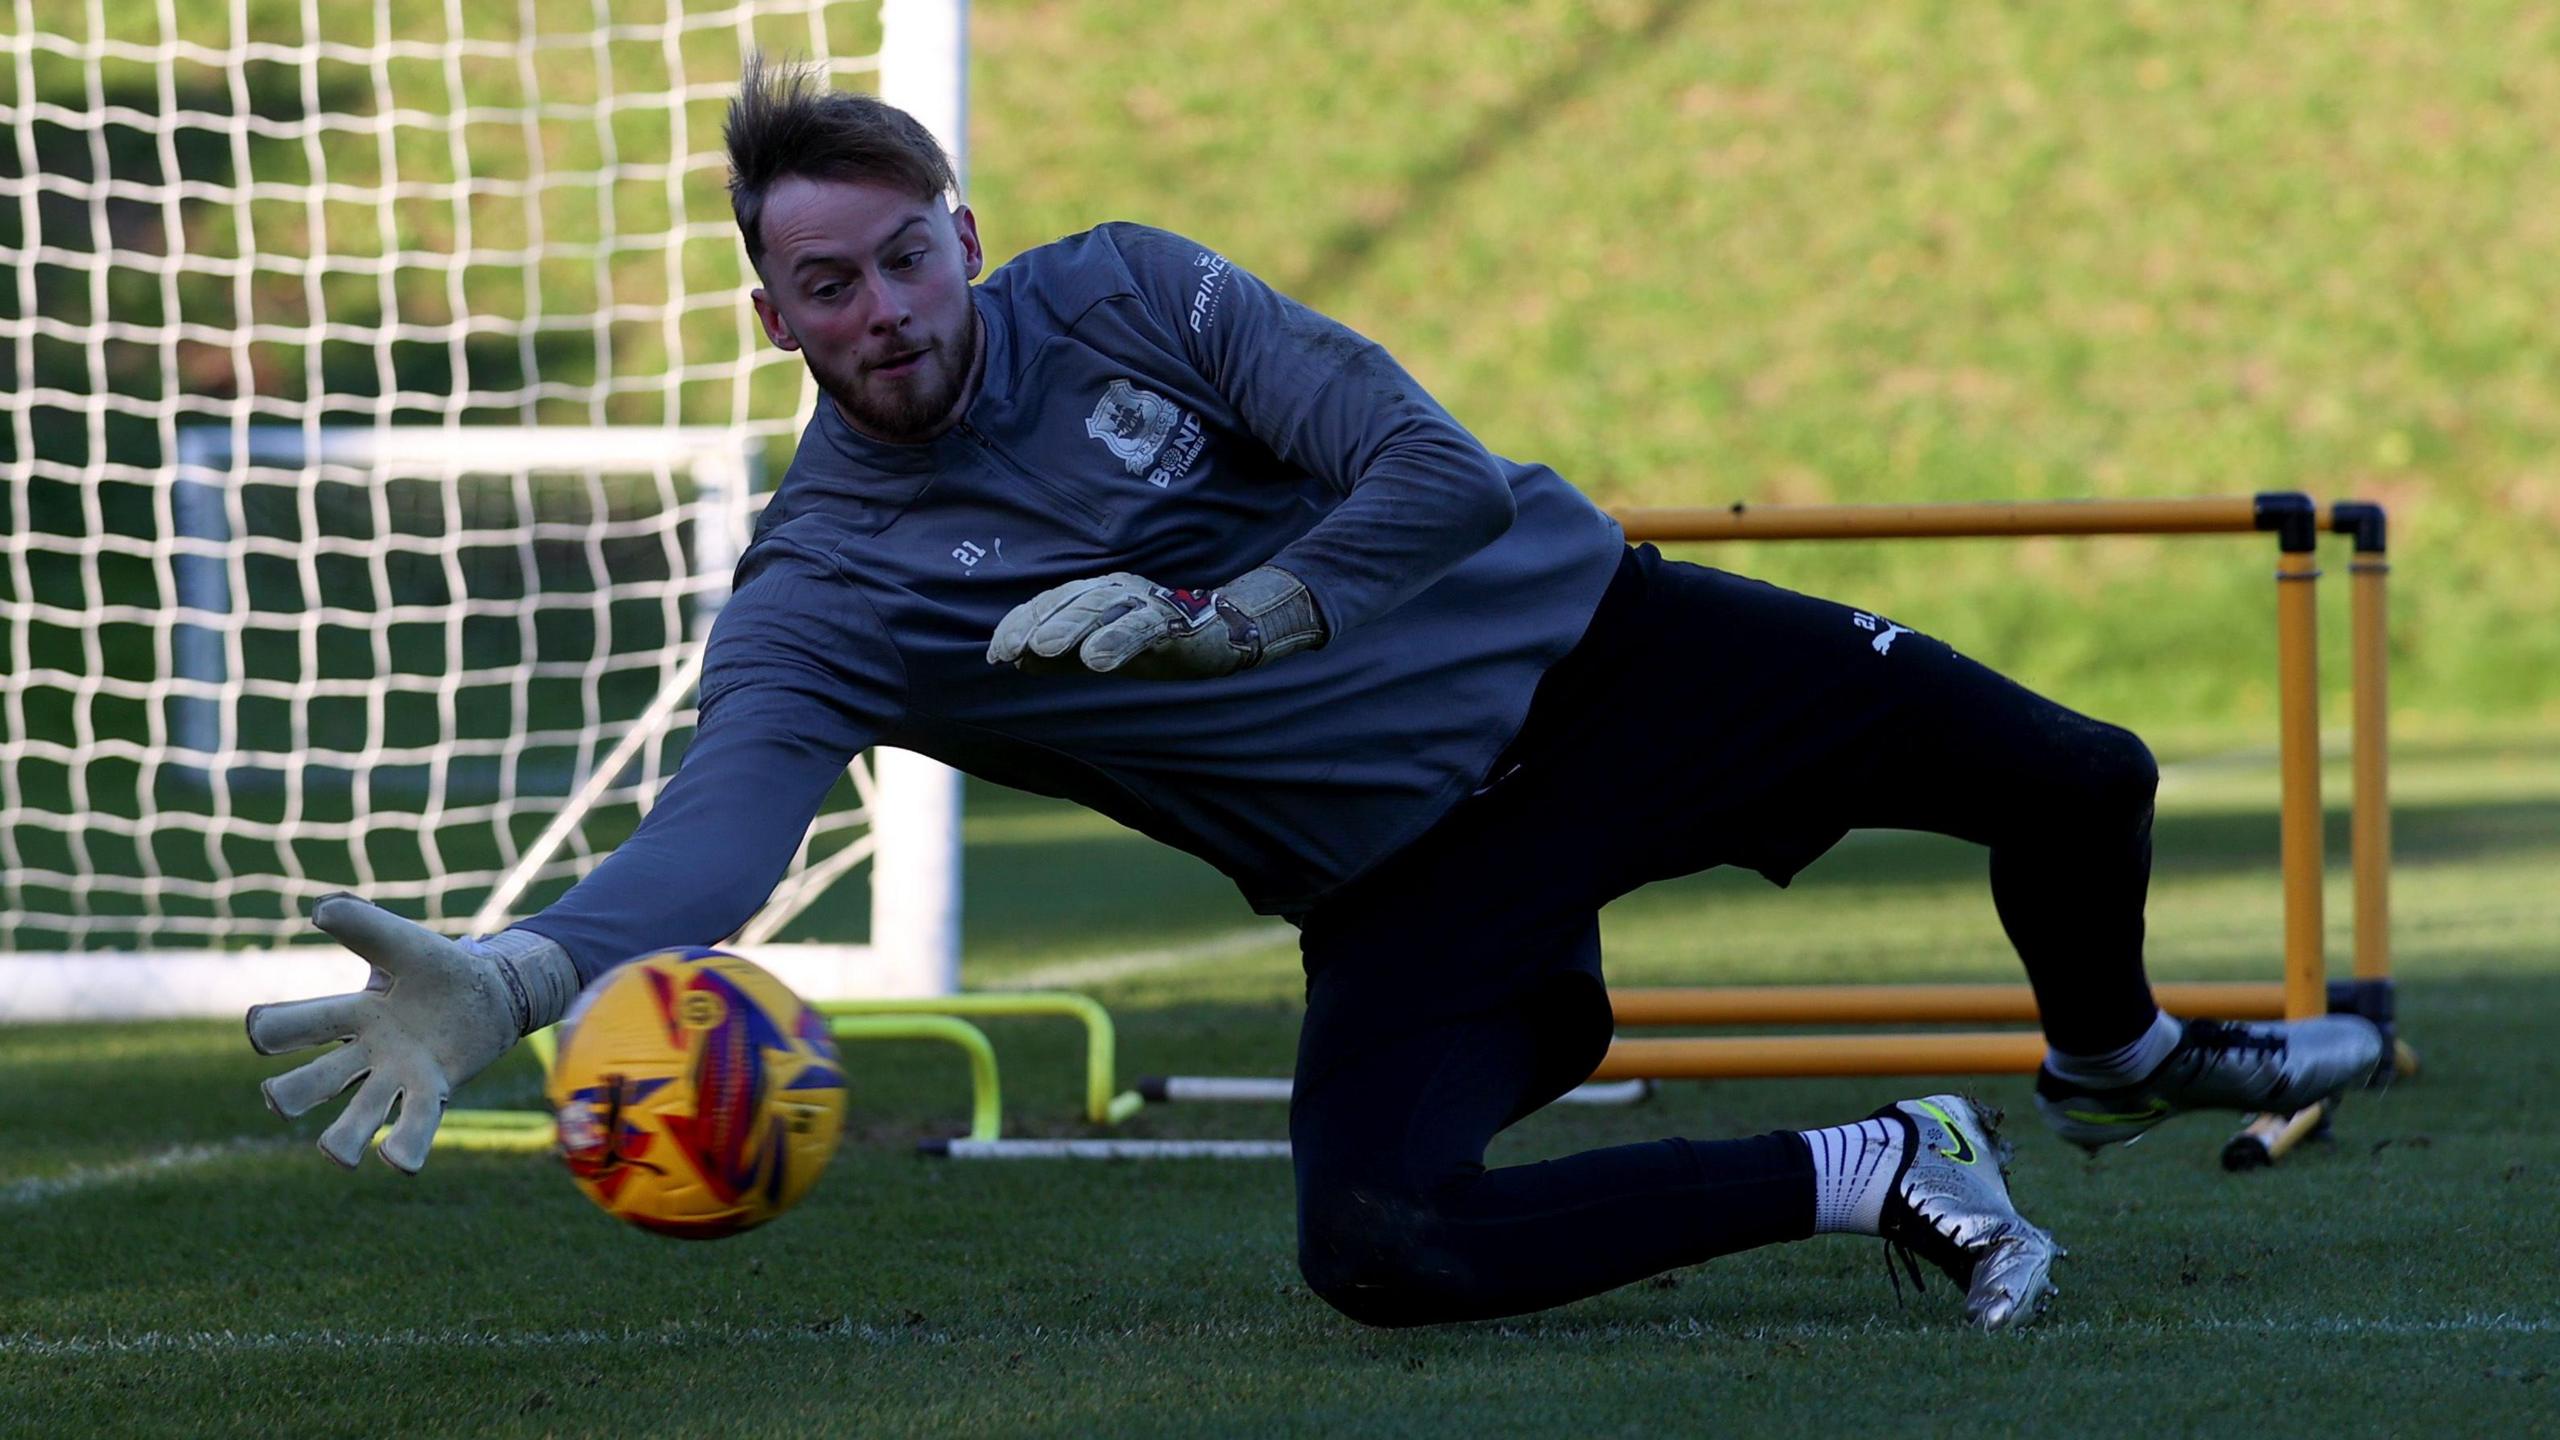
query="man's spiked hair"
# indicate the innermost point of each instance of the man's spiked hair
(785, 123)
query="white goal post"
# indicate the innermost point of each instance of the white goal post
(387, 418)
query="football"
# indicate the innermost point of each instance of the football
(694, 1094)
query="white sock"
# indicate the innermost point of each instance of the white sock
(1853, 1170)
(2124, 1064)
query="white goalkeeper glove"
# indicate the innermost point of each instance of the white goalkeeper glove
(435, 1013)
(1123, 624)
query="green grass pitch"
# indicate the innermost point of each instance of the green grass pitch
(1818, 252)
(178, 1263)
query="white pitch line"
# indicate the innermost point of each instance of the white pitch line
(2340, 1326)
(232, 1342)
(45, 1188)
(1072, 974)
(841, 1331)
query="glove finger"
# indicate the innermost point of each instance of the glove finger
(299, 1024)
(298, 1089)
(1112, 645)
(1013, 632)
(1080, 617)
(422, 1102)
(345, 1139)
(395, 946)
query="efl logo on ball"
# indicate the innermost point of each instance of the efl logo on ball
(694, 1094)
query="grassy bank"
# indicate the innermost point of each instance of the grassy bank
(1852, 252)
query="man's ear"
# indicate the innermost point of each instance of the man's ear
(964, 223)
(776, 329)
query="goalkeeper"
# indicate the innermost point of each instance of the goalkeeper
(1125, 525)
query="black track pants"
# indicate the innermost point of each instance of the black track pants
(1704, 720)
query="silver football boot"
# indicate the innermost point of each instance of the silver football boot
(1950, 1206)
(2275, 1067)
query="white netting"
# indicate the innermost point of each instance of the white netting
(292, 601)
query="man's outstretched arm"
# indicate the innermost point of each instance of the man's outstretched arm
(796, 683)
(721, 834)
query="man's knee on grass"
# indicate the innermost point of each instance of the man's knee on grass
(1371, 1254)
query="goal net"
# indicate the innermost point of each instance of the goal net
(385, 414)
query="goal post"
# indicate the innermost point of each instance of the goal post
(387, 417)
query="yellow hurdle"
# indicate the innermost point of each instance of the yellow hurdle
(1104, 1102)
(2304, 990)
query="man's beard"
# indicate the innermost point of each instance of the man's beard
(903, 411)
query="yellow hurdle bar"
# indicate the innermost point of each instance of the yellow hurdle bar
(2371, 630)
(2296, 522)
(1989, 1052)
(2237, 514)
(2306, 981)
(1910, 1004)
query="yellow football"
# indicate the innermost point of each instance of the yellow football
(694, 1094)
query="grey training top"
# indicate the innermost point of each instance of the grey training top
(1146, 406)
